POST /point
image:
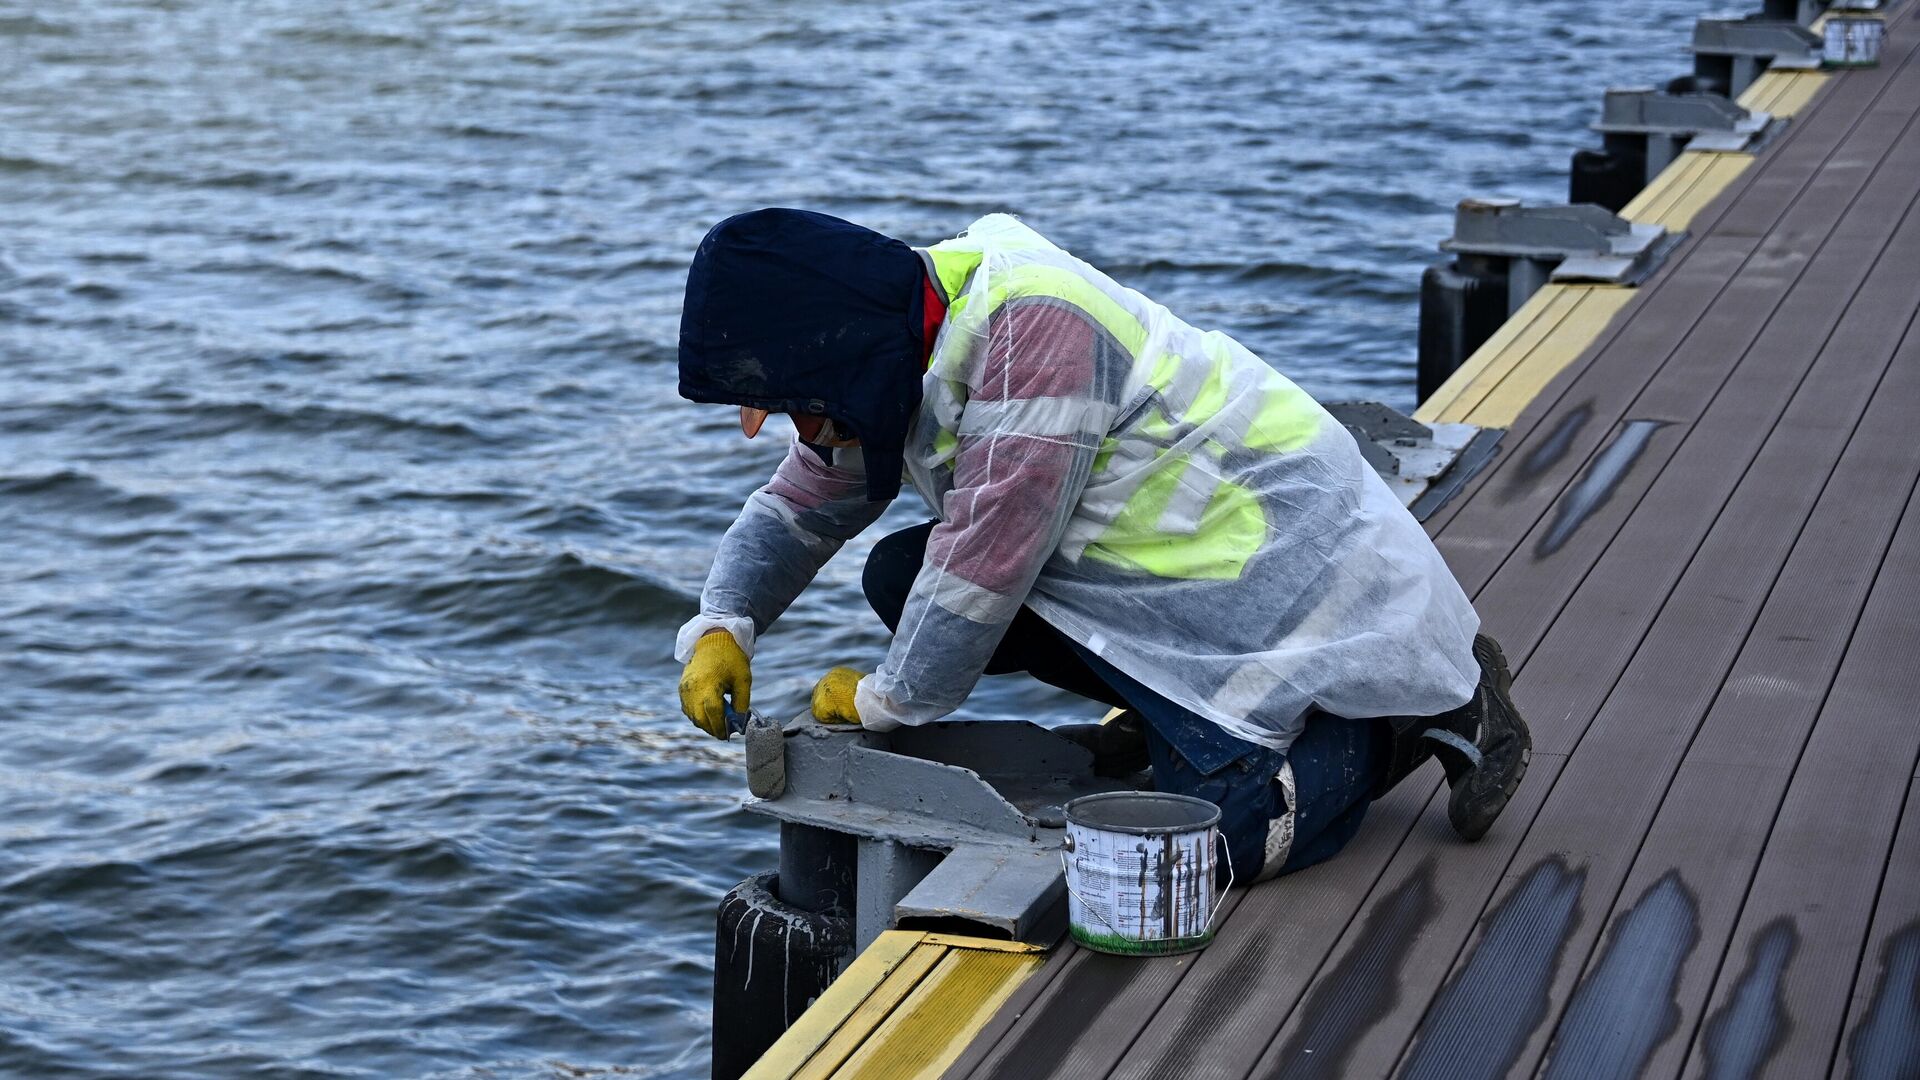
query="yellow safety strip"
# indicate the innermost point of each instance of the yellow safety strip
(1583, 325)
(1549, 332)
(1797, 88)
(905, 1008)
(942, 1015)
(1782, 93)
(1674, 183)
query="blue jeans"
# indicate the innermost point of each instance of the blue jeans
(1339, 765)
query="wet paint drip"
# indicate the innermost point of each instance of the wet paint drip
(1597, 484)
(1481, 1021)
(1551, 449)
(1886, 1045)
(1754, 1023)
(1626, 1007)
(1354, 996)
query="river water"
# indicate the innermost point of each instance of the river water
(348, 509)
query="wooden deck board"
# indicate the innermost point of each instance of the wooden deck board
(1612, 784)
(1715, 815)
(1726, 385)
(1218, 1022)
(1790, 164)
(1881, 1033)
(1674, 652)
(1828, 848)
(1772, 690)
(1735, 770)
(1671, 358)
(1094, 1005)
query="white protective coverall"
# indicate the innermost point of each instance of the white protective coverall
(1158, 494)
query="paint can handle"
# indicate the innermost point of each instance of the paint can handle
(1222, 898)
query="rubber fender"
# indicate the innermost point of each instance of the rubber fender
(1711, 75)
(770, 961)
(1460, 308)
(1609, 178)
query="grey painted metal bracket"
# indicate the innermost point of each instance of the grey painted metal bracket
(1799, 11)
(1643, 109)
(1661, 124)
(1018, 892)
(1467, 462)
(1782, 43)
(1626, 265)
(1731, 53)
(955, 822)
(1423, 464)
(1702, 121)
(1585, 242)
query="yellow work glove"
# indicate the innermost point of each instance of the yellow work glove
(718, 669)
(833, 697)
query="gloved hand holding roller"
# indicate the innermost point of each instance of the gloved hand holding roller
(1124, 506)
(718, 675)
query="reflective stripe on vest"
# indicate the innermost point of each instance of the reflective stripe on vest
(1179, 521)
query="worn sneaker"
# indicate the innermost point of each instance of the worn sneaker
(1485, 749)
(1119, 745)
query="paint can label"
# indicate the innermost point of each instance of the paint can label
(1139, 894)
(1853, 42)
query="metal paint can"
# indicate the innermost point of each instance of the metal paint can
(1853, 41)
(1140, 868)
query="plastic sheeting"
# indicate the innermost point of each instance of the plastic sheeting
(1157, 493)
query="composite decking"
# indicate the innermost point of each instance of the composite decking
(1701, 549)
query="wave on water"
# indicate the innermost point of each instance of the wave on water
(491, 596)
(216, 419)
(32, 26)
(72, 490)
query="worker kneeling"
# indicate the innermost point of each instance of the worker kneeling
(1127, 507)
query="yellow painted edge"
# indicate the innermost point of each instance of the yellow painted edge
(943, 1014)
(882, 982)
(961, 941)
(831, 1009)
(1688, 168)
(1783, 93)
(1437, 402)
(1580, 329)
(1764, 91)
(1722, 170)
(1561, 300)
(1665, 188)
(1798, 92)
(857, 1029)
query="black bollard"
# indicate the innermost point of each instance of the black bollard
(1462, 302)
(770, 961)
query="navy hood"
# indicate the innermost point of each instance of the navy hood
(797, 312)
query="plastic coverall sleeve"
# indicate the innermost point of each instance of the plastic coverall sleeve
(785, 533)
(1027, 437)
